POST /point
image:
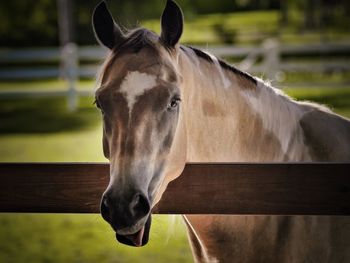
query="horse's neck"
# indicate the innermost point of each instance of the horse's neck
(231, 118)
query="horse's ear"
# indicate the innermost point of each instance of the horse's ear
(172, 24)
(107, 32)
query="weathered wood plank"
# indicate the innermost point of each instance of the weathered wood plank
(277, 189)
(52, 187)
(240, 188)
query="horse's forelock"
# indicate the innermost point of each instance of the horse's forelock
(135, 40)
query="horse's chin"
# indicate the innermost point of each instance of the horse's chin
(139, 239)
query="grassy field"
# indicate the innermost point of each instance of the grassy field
(249, 28)
(44, 85)
(38, 130)
(85, 238)
(337, 99)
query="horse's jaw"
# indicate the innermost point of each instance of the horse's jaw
(138, 239)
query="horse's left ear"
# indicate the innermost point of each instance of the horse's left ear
(172, 24)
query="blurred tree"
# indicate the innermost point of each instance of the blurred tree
(284, 12)
(311, 8)
(28, 23)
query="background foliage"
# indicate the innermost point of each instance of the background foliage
(28, 23)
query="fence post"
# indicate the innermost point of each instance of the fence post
(69, 50)
(69, 56)
(249, 60)
(271, 54)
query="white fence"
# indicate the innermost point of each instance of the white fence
(95, 54)
(264, 60)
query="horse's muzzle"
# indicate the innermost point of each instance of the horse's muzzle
(127, 213)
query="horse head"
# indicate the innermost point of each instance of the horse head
(143, 128)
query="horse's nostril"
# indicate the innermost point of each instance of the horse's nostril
(105, 211)
(120, 214)
(139, 207)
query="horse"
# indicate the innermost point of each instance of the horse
(164, 104)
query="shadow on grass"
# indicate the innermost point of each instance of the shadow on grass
(45, 115)
(338, 101)
(334, 98)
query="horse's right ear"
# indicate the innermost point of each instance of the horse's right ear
(172, 24)
(107, 32)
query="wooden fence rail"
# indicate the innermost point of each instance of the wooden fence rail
(239, 188)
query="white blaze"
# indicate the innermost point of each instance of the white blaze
(135, 84)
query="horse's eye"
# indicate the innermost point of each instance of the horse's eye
(174, 103)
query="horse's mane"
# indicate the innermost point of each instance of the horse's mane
(222, 63)
(262, 84)
(136, 39)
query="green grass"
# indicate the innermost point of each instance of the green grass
(44, 85)
(84, 238)
(313, 77)
(244, 27)
(337, 99)
(39, 130)
(249, 28)
(43, 129)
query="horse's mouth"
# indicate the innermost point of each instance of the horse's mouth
(138, 239)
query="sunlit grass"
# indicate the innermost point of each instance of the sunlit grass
(242, 27)
(84, 238)
(45, 85)
(249, 28)
(56, 147)
(337, 99)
